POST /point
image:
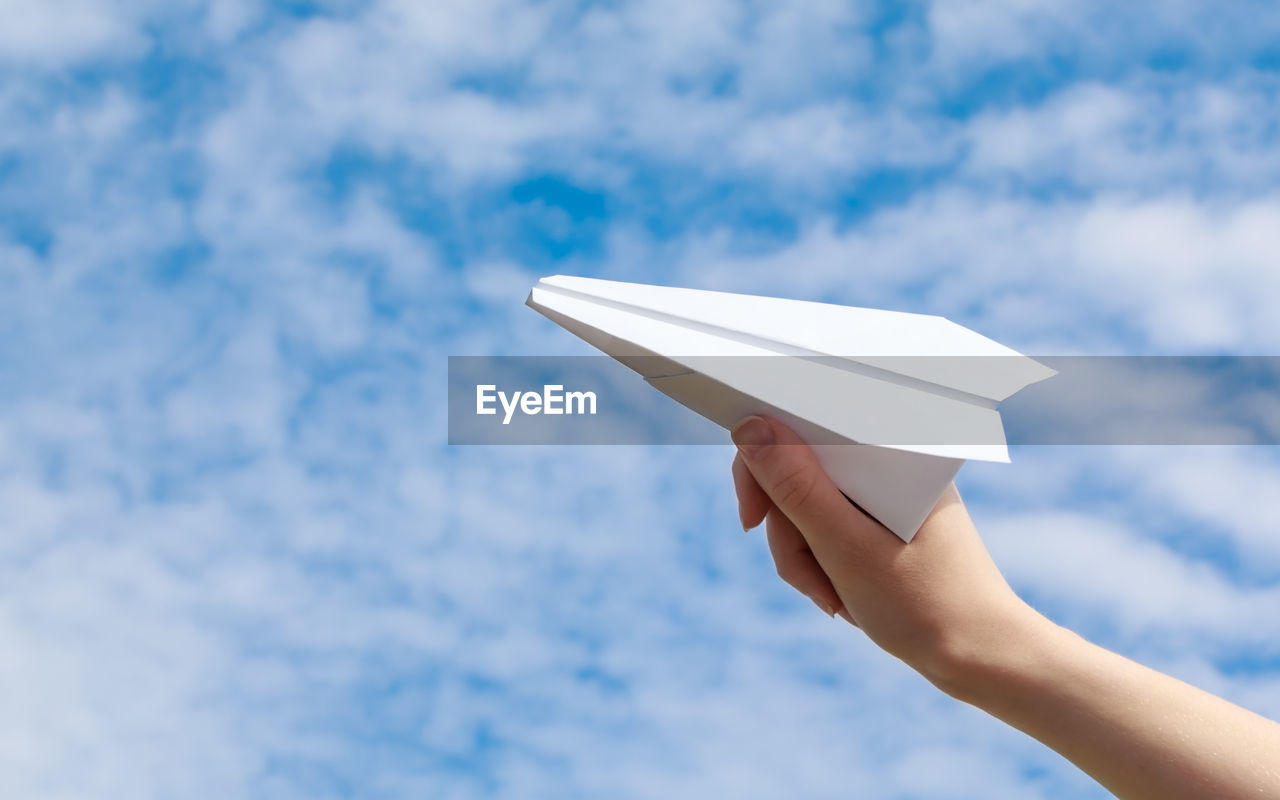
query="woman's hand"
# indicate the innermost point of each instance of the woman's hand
(940, 605)
(937, 603)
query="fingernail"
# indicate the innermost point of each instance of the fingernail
(751, 434)
(827, 608)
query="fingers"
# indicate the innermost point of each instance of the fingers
(797, 566)
(753, 503)
(777, 482)
(789, 473)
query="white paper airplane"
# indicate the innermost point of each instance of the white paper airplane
(892, 403)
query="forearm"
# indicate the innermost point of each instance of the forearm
(1138, 732)
(941, 605)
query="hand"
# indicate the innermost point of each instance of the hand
(940, 604)
(936, 603)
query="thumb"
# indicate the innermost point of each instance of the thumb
(790, 474)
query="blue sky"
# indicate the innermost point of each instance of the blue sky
(237, 243)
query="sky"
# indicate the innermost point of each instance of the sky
(238, 242)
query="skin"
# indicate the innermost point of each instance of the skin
(941, 605)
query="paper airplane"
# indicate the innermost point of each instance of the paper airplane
(892, 403)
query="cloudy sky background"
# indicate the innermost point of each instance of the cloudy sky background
(237, 244)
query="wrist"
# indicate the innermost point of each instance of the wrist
(1008, 646)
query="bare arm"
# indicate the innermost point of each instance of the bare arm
(940, 605)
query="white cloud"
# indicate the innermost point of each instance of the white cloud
(972, 35)
(1176, 275)
(1103, 574)
(237, 555)
(1144, 137)
(1227, 493)
(62, 32)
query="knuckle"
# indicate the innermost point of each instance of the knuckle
(787, 573)
(794, 488)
